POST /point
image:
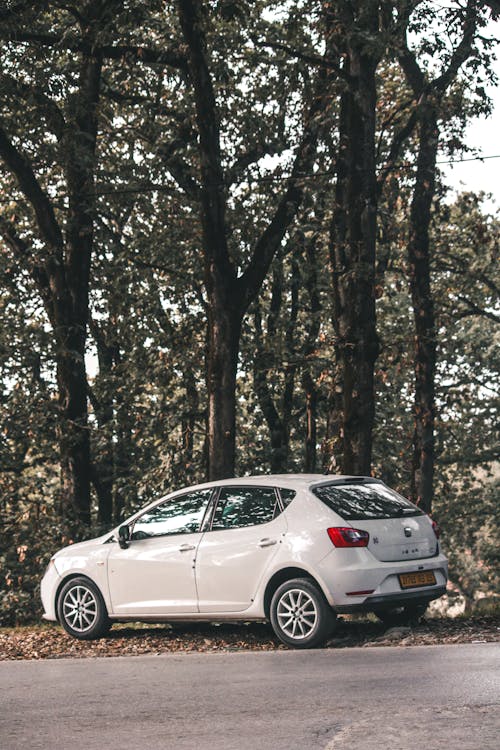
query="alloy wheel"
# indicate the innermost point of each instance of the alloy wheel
(297, 614)
(80, 608)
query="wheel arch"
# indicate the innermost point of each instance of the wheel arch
(285, 574)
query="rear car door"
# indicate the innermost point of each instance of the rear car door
(245, 534)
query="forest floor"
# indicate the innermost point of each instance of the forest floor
(49, 641)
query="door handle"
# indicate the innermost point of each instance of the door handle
(186, 547)
(266, 542)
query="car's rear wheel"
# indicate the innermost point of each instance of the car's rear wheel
(300, 615)
(408, 614)
(81, 609)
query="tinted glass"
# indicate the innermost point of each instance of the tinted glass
(182, 515)
(364, 501)
(287, 496)
(244, 506)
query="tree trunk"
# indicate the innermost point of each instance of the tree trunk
(103, 460)
(429, 99)
(311, 342)
(189, 419)
(71, 375)
(277, 411)
(276, 424)
(352, 255)
(73, 432)
(224, 328)
(61, 274)
(229, 294)
(423, 311)
(311, 422)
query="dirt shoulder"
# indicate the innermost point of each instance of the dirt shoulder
(51, 642)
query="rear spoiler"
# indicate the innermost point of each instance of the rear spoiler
(346, 480)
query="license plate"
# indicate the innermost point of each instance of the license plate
(413, 580)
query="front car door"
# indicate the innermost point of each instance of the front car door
(155, 574)
(245, 534)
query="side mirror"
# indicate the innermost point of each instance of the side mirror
(124, 536)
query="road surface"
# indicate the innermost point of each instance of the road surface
(379, 698)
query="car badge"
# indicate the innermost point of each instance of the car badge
(407, 531)
(375, 540)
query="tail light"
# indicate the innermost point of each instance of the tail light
(346, 536)
(435, 528)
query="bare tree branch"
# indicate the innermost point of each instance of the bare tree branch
(21, 167)
(139, 54)
(473, 309)
(24, 254)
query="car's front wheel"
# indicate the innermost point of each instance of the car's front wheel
(300, 614)
(81, 609)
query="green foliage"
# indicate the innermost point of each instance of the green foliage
(30, 531)
(467, 507)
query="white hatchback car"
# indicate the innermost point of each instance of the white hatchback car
(294, 549)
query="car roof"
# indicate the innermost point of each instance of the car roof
(295, 481)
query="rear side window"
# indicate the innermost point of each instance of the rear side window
(356, 502)
(244, 506)
(286, 496)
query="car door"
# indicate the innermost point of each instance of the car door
(155, 574)
(245, 534)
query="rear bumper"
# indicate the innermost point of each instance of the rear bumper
(347, 571)
(388, 601)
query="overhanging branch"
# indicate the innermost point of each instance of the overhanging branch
(139, 54)
(20, 166)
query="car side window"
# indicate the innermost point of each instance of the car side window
(245, 506)
(180, 515)
(286, 496)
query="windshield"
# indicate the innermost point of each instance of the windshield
(364, 501)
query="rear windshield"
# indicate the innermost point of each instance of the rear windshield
(364, 501)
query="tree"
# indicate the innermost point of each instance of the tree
(229, 294)
(287, 356)
(61, 269)
(168, 212)
(60, 158)
(356, 28)
(431, 105)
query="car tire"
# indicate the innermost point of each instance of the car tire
(409, 614)
(81, 609)
(300, 615)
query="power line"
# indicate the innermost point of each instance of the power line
(148, 188)
(472, 158)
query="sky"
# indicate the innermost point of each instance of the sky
(483, 134)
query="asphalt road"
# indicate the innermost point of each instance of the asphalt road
(378, 698)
